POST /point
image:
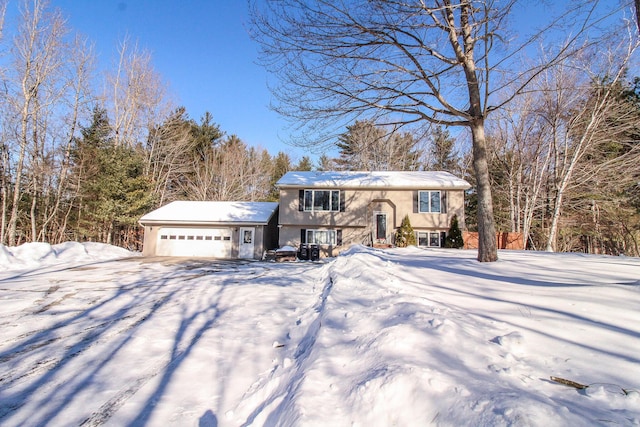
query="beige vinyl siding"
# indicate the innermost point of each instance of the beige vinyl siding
(358, 206)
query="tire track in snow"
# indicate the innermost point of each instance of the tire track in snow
(47, 364)
(97, 336)
(112, 405)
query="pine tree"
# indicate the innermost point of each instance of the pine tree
(443, 154)
(405, 235)
(281, 165)
(85, 158)
(305, 164)
(207, 134)
(454, 236)
(326, 163)
(113, 191)
(369, 147)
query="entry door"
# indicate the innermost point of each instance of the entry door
(247, 246)
(381, 226)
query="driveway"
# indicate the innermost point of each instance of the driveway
(145, 341)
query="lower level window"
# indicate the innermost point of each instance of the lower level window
(431, 239)
(321, 237)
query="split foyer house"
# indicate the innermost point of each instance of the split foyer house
(332, 210)
(337, 209)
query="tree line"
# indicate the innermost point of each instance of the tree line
(80, 163)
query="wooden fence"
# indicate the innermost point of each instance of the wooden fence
(504, 240)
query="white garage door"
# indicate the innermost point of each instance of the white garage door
(204, 242)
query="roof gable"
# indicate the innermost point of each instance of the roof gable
(378, 179)
(203, 212)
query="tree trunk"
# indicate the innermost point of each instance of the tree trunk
(3, 227)
(555, 220)
(32, 211)
(13, 219)
(487, 247)
(5, 195)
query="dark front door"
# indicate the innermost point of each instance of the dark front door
(381, 226)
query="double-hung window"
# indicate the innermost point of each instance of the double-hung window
(429, 239)
(321, 237)
(429, 202)
(322, 200)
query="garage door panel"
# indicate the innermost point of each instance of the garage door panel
(204, 242)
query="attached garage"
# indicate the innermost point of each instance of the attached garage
(226, 230)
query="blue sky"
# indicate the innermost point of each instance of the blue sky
(203, 52)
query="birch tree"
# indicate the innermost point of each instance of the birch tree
(134, 94)
(579, 111)
(521, 156)
(4, 150)
(78, 98)
(36, 64)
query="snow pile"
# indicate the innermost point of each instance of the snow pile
(373, 337)
(409, 337)
(33, 255)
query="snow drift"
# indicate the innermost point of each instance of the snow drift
(41, 254)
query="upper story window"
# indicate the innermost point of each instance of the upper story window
(322, 200)
(429, 202)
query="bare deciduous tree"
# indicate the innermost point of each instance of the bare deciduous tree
(563, 145)
(37, 61)
(230, 171)
(78, 98)
(4, 152)
(135, 93)
(584, 101)
(522, 155)
(168, 148)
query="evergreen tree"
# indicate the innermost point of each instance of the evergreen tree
(113, 190)
(281, 165)
(368, 147)
(304, 164)
(454, 235)
(207, 134)
(123, 192)
(326, 163)
(85, 167)
(443, 156)
(405, 235)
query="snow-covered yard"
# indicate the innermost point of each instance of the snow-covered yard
(93, 335)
